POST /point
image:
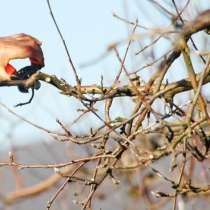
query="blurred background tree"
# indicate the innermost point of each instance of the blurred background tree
(124, 123)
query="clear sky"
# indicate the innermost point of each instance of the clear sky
(88, 28)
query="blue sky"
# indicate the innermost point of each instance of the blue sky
(88, 28)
